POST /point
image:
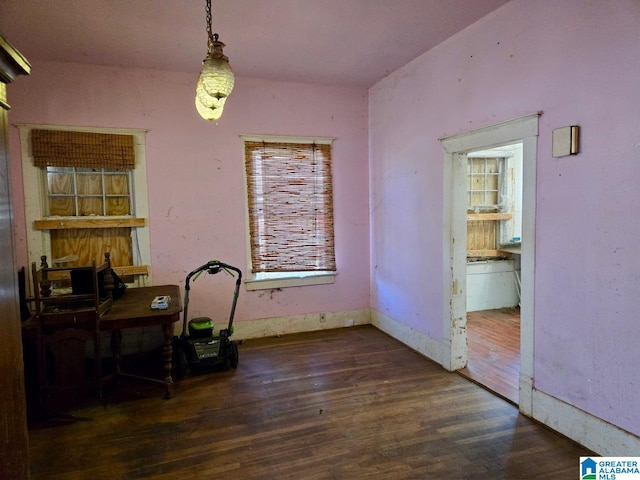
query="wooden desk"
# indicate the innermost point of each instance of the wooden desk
(133, 309)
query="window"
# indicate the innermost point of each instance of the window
(493, 200)
(484, 178)
(79, 192)
(85, 194)
(290, 211)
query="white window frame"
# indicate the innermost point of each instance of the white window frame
(35, 196)
(272, 280)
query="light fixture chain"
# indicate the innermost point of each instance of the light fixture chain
(209, 32)
(216, 78)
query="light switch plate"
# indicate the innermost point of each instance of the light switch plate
(565, 141)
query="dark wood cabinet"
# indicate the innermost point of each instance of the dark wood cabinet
(14, 444)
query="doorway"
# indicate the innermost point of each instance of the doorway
(494, 231)
(456, 148)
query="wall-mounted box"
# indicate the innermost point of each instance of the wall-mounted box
(565, 141)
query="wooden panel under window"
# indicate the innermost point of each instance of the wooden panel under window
(91, 243)
(482, 235)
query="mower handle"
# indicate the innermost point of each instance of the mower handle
(212, 267)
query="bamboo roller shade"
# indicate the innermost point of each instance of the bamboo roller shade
(290, 206)
(56, 148)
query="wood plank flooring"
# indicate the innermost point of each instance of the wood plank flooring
(337, 404)
(493, 348)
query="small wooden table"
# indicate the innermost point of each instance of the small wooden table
(133, 309)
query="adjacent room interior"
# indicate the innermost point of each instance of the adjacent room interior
(494, 239)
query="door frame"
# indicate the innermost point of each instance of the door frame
(455, 148)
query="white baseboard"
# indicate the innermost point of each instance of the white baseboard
(137, 340)
(525, 395)
(605, 439)
(276, 326)
(418, 341)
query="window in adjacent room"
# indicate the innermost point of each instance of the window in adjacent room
(494, 201)
(290, 211)
(85, 194)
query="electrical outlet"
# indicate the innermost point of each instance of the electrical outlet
(348, 322)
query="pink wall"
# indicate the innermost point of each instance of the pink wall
(579, 63)
(195, 171)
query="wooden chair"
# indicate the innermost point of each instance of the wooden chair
(66, 321)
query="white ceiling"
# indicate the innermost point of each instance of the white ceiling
(336, 42)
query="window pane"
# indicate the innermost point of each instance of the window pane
(477, 183)
(90, 206)
(60, 183)
(492, 182)
(118, 206)
(477, 199)
(89, 184)
(64, 206)
(116, 184)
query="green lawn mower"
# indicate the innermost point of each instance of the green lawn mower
(197, 350)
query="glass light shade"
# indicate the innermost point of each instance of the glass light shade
(214, 86)
(212, 112)
(217, 77)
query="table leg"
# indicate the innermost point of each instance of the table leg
(116, 351)
(167, 353)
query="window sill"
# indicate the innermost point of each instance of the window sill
(62, 223)
(290, 280)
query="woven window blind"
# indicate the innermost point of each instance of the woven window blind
(56, 148)
(290, 207)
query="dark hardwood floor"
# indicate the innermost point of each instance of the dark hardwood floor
(493, 351)
(337, 404)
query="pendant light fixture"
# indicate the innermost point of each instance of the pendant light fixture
(216, 79)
